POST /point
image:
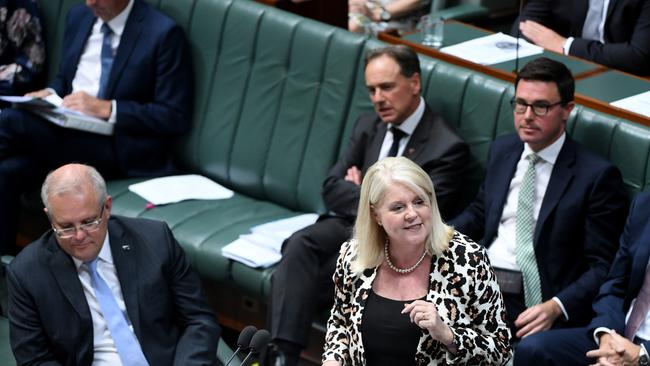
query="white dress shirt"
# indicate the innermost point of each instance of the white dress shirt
(502, 250)
(408, 126)
(89, 69)
(105, 353)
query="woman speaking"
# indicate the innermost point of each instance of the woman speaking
(409, 290)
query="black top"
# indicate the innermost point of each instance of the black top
(389, 337)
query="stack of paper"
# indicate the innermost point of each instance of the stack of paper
(261, 248)
(493, 49)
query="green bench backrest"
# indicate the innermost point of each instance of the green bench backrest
(276, 94)
(272, 97)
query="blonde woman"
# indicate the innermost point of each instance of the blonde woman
(409, 290)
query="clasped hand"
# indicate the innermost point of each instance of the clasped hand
(615, 350)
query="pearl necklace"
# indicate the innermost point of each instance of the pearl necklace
(401, 270)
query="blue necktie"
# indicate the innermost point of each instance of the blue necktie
(125, 341)
(107, 60)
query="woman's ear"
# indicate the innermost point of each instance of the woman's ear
(375, 215)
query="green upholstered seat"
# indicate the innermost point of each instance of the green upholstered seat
(6, 356)
(276, 96)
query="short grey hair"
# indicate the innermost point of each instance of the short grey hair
(55, 185)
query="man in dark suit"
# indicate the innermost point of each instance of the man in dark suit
(613, 336)
(614, 33)
(549, 211)
(402, 126)
(123, 62)
(58, 312)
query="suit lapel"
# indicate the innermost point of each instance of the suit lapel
(640, 261)
(123, 249)
(610, 8)
(64, 271)
(420, 136)
(375, 145)
(128, 41)
(503, 172)
(561, 176)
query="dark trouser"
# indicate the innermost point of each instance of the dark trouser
(515, 305)
(29, 148)
(302, 283)
(562, 347)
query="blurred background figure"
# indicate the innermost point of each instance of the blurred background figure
(408, 288)
(372, 16)
(22, 49)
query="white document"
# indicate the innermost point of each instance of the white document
(251, 254)
(262, 247)
(639, 103)
(49, 108)
(161, 191)
(492, 49)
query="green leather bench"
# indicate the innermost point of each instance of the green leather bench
(276, 97)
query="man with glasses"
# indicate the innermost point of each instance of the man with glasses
(102, 290)
(549, 211)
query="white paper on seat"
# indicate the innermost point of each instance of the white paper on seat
(251, 254)
(639, 103)
(161, 191)
(492, 49)
(261, 248)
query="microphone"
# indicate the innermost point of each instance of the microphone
(521, 7)
(244, 341)
(259, 341)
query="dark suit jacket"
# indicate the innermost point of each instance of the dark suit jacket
(434, 146)
(50, 322)
(626, 32)
(150, 80)
(580, 219)
(628, 270)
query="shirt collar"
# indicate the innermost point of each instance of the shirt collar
(104, 254)
(411, 122)
(548, 154)
(118, 23)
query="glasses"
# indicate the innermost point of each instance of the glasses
(540, 109)
(88, 227)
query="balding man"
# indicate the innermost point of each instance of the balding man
(102, 290)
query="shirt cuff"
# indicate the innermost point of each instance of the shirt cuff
(567, 45)
(557, 300)
(113, 118)
(598, 331)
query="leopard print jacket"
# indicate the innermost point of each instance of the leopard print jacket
(464, 287)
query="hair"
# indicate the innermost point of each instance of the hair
(405, 57)
(545, 69)
(369, 236)
(58, 183)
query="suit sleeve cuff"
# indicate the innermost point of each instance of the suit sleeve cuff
(113, 118)
(567, 45)
(598, 331)
(564, 313)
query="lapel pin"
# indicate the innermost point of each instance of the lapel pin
(126, 247)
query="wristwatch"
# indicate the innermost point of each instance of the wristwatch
(643, 357)
(384, 15)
